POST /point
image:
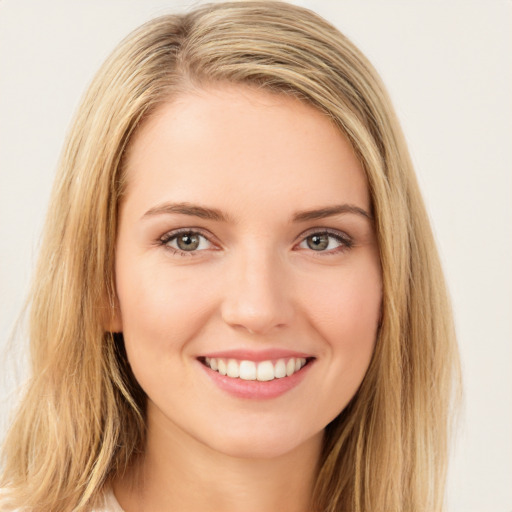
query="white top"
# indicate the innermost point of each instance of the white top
(110, 503)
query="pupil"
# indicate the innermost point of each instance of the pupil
(188, 242)
(318, 242)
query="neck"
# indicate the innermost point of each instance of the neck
(179, 473)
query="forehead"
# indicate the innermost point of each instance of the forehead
(235, 143)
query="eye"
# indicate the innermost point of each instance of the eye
(186, 241)
(326, 241)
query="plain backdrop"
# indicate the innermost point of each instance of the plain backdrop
(447, 65)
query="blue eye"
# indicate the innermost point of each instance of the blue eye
(325, 242)
(186, 241)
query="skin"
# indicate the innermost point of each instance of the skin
(253, 283)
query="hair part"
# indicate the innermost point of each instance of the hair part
(81, 421)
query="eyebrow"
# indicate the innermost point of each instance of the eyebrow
(217, 215)
(330, 211)
(188, 209)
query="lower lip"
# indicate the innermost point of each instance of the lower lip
(255, 389)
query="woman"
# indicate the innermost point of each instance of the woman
(238, 303)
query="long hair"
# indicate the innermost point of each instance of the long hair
(81, 420)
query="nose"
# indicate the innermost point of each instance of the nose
(258, 295)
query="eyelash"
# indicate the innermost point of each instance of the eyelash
(343, 239)
(173, 235)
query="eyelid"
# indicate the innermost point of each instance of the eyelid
(322, 230)
(180, 231)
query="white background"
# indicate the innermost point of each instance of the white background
(447, 65)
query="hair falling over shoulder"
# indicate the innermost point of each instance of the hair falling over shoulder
(81, 420)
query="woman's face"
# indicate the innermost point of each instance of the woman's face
(246, 247)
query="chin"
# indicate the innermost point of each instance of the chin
(261, 444)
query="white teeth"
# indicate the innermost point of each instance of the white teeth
(280, 369)
(290, 367)
(233, 369)
(249, 370)
(265, 371)
(222, 367)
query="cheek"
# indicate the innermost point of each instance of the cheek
(161, 307)
(345, 309)
(162, 311)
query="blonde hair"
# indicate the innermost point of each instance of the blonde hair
(82, 418)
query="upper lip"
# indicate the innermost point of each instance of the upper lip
(256, 355)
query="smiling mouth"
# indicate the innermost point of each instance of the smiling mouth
(262, 371)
